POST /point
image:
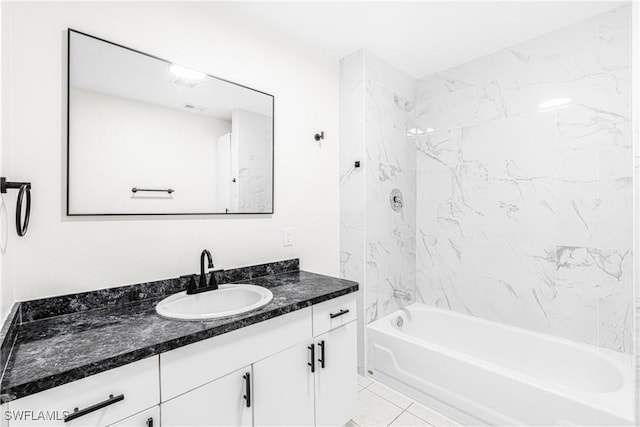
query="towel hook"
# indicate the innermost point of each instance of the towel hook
(24, 190)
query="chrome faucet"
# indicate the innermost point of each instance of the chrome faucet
(202, 286)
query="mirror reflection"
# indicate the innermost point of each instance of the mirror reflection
(146, 136)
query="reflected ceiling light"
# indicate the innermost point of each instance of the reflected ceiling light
(194, 107)
(418, 132)
(186, 73)
(554, 103)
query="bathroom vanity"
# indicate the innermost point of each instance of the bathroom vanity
(292, 362)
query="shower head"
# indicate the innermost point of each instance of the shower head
(404, 104)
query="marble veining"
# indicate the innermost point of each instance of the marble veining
(517, 210)
(57, 350)
(377, 244)
(524, 211)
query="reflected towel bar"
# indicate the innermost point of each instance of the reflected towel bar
(168, 190)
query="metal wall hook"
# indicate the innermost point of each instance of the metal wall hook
(24, 191)
(319, 136)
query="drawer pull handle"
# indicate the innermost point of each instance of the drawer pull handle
(247, 388)
(149, 422)
(77, 413)
(312, 348)
(338, 314)
(322, 359)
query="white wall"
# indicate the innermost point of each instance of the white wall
(635, 79)
(61, 255)
(252, 133)
(117, 144)
(6, 290)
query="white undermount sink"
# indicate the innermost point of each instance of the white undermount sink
(227, 300)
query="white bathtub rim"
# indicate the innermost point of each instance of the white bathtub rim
(618, 403)
(593, 349)
(623, 361)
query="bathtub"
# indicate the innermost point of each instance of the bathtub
(480, 372)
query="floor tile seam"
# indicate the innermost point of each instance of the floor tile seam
(395, 404)
(396, 417)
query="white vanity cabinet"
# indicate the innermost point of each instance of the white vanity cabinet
(124, 392)
(186, 368)
(314, 382)
(148, 418)
(336, 380)
(223, 402)
(284, 388)
(297, 369)
(302, 367)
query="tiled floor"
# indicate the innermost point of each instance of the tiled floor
(378, 405)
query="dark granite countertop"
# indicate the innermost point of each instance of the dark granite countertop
(53, 351)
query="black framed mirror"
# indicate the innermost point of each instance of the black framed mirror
(146, 136)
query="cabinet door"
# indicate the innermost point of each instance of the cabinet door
(284, 388)
(336, 384)
(150, 418)
(218, 403)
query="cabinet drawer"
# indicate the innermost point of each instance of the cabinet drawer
(333, 313)
(188, 367)
(138, 384)
(148, 418)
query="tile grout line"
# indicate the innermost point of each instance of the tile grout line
(397, 417)
(403, 410)
(394, 404)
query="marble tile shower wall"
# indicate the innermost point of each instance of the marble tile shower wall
(377, 243)
(390, 164)
(524, 210)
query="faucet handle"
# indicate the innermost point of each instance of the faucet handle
(213, 282)
(192, 285)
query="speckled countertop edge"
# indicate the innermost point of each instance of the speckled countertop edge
(43, 381)
(8, 335)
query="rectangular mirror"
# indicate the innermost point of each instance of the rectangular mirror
(149, 137)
